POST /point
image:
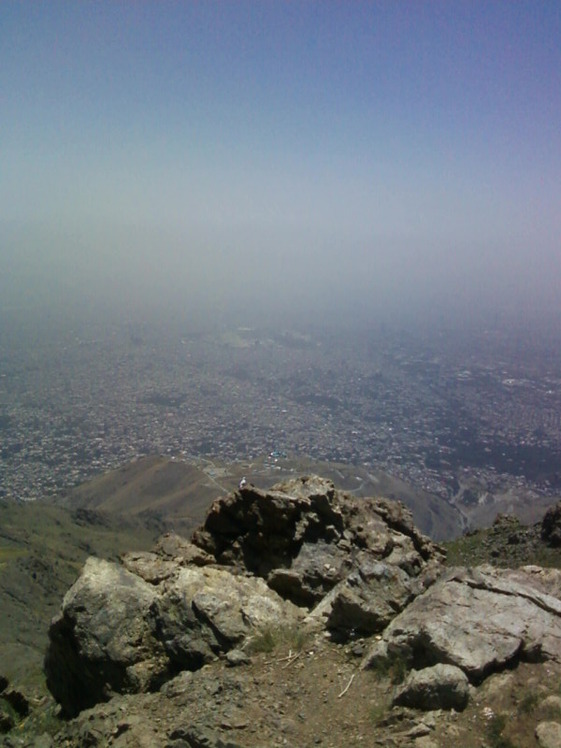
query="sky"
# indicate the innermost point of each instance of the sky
(253, 160)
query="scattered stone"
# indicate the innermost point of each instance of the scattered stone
(552, 702)
(496, 684)
(438, 687)
(236, 657)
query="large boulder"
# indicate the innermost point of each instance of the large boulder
(118, 632)
(368, 599)
(305, 538)
(103, 639)
(480, 620)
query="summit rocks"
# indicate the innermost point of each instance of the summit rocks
(286, 608)
(306, 539)
(481, 620)
(262, 559)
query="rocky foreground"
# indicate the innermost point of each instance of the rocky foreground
(303, 616)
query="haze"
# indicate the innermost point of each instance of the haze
(282, 161)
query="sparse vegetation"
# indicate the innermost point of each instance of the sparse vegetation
(271, 638)
(503, 545)
(264, 641)
(394, 669)
(378, 712)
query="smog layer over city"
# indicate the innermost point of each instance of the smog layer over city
(264, 231)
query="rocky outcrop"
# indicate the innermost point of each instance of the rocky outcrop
(299, 555)
(304, 538)
(480, 620)
(126, 632)
(128, 628)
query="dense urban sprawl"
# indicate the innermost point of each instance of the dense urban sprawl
(431, 410)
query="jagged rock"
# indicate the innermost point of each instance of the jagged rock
(551, 526)
(368, 599)
(437, 687)
(548, 734)
(182, 551)
(304, 537)
(129, 628)
(118, 632)
(479, 620)
(101, 637)
(170, 552)
(203, 612)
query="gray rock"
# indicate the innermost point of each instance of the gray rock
(437, 687)
(370, 597)
(236, 657)
(305, 538)
(103, 629)
(479, 620)
(130, 628)
(119, 633)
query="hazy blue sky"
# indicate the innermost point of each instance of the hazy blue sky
(352, 155)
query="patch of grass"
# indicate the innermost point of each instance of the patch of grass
(274, 637)
(264, 641)
(378, 712)
(8, 552)
(392, 668)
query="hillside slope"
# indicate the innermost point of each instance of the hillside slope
(179, 492)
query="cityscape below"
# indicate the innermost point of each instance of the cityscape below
(459, 414)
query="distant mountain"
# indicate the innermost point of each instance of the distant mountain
(173, 492)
